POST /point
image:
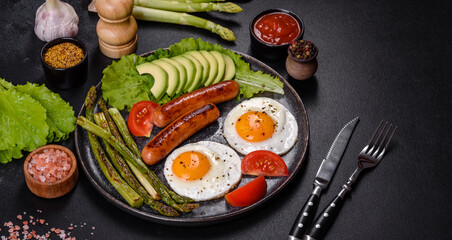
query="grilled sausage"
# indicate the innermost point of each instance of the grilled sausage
(217, 93)
(178, 131)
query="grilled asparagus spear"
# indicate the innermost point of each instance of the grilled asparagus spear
(136, 161)
(124, 171)
(131, 144)
(131, 197)
(122, 127)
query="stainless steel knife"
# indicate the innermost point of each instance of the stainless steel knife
(322, 179)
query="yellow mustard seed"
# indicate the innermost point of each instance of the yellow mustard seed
(64, 55)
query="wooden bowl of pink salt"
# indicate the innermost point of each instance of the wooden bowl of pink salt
(51, 171)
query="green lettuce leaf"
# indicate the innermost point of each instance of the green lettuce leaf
(22, 123)
(31, 116)
(122, 86)
(60, 115)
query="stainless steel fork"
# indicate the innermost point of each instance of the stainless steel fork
(369, 157)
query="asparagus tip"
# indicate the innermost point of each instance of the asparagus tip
(91, 97)
(230, 7)
(225, 33)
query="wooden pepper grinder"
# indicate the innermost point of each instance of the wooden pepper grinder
(116, 29)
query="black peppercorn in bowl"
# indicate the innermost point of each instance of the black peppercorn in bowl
(301, 62)
(273, 30)
(65, 62)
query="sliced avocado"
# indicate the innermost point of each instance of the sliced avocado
(205, 64)
(173, 76)
(182, 73)
(197, 81)
(229, 71)
(213, 64)
(221, 66)
(160, 78)
(190, 69)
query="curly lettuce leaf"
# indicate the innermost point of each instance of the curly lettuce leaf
(31, 116)
(8, 154)
(122, 85)
(23, 124)
(60, 115)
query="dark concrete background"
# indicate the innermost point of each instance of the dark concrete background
(377, 60)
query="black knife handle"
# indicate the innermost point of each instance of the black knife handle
(323, 222)
(305, 217)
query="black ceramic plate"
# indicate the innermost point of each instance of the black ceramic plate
(212, 211)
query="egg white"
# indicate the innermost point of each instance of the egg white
(283, 138)
(224, 174)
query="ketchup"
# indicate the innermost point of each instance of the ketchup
(276, 28)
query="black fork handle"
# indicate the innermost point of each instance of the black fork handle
(323, 222)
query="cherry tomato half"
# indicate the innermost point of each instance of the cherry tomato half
(140, 122)
(263, 162)
(249, 193)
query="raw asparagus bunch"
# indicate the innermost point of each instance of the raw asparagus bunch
(156, 15)
(176, 12)
(176, 6)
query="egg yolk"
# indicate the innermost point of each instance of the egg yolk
(255, 126)
(191, 166)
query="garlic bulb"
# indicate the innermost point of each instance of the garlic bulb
(55, 19)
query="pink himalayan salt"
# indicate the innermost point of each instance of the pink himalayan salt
(49, 166)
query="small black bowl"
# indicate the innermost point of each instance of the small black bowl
(66, 78)
(269, 50)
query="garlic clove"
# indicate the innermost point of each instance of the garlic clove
(55, 19)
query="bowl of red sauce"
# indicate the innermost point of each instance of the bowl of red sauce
(273, 30)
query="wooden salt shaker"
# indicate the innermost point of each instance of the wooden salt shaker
(116, 29)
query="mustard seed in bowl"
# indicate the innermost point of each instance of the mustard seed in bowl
(64, 55)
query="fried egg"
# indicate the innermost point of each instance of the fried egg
(260, 124)
(202, 171)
